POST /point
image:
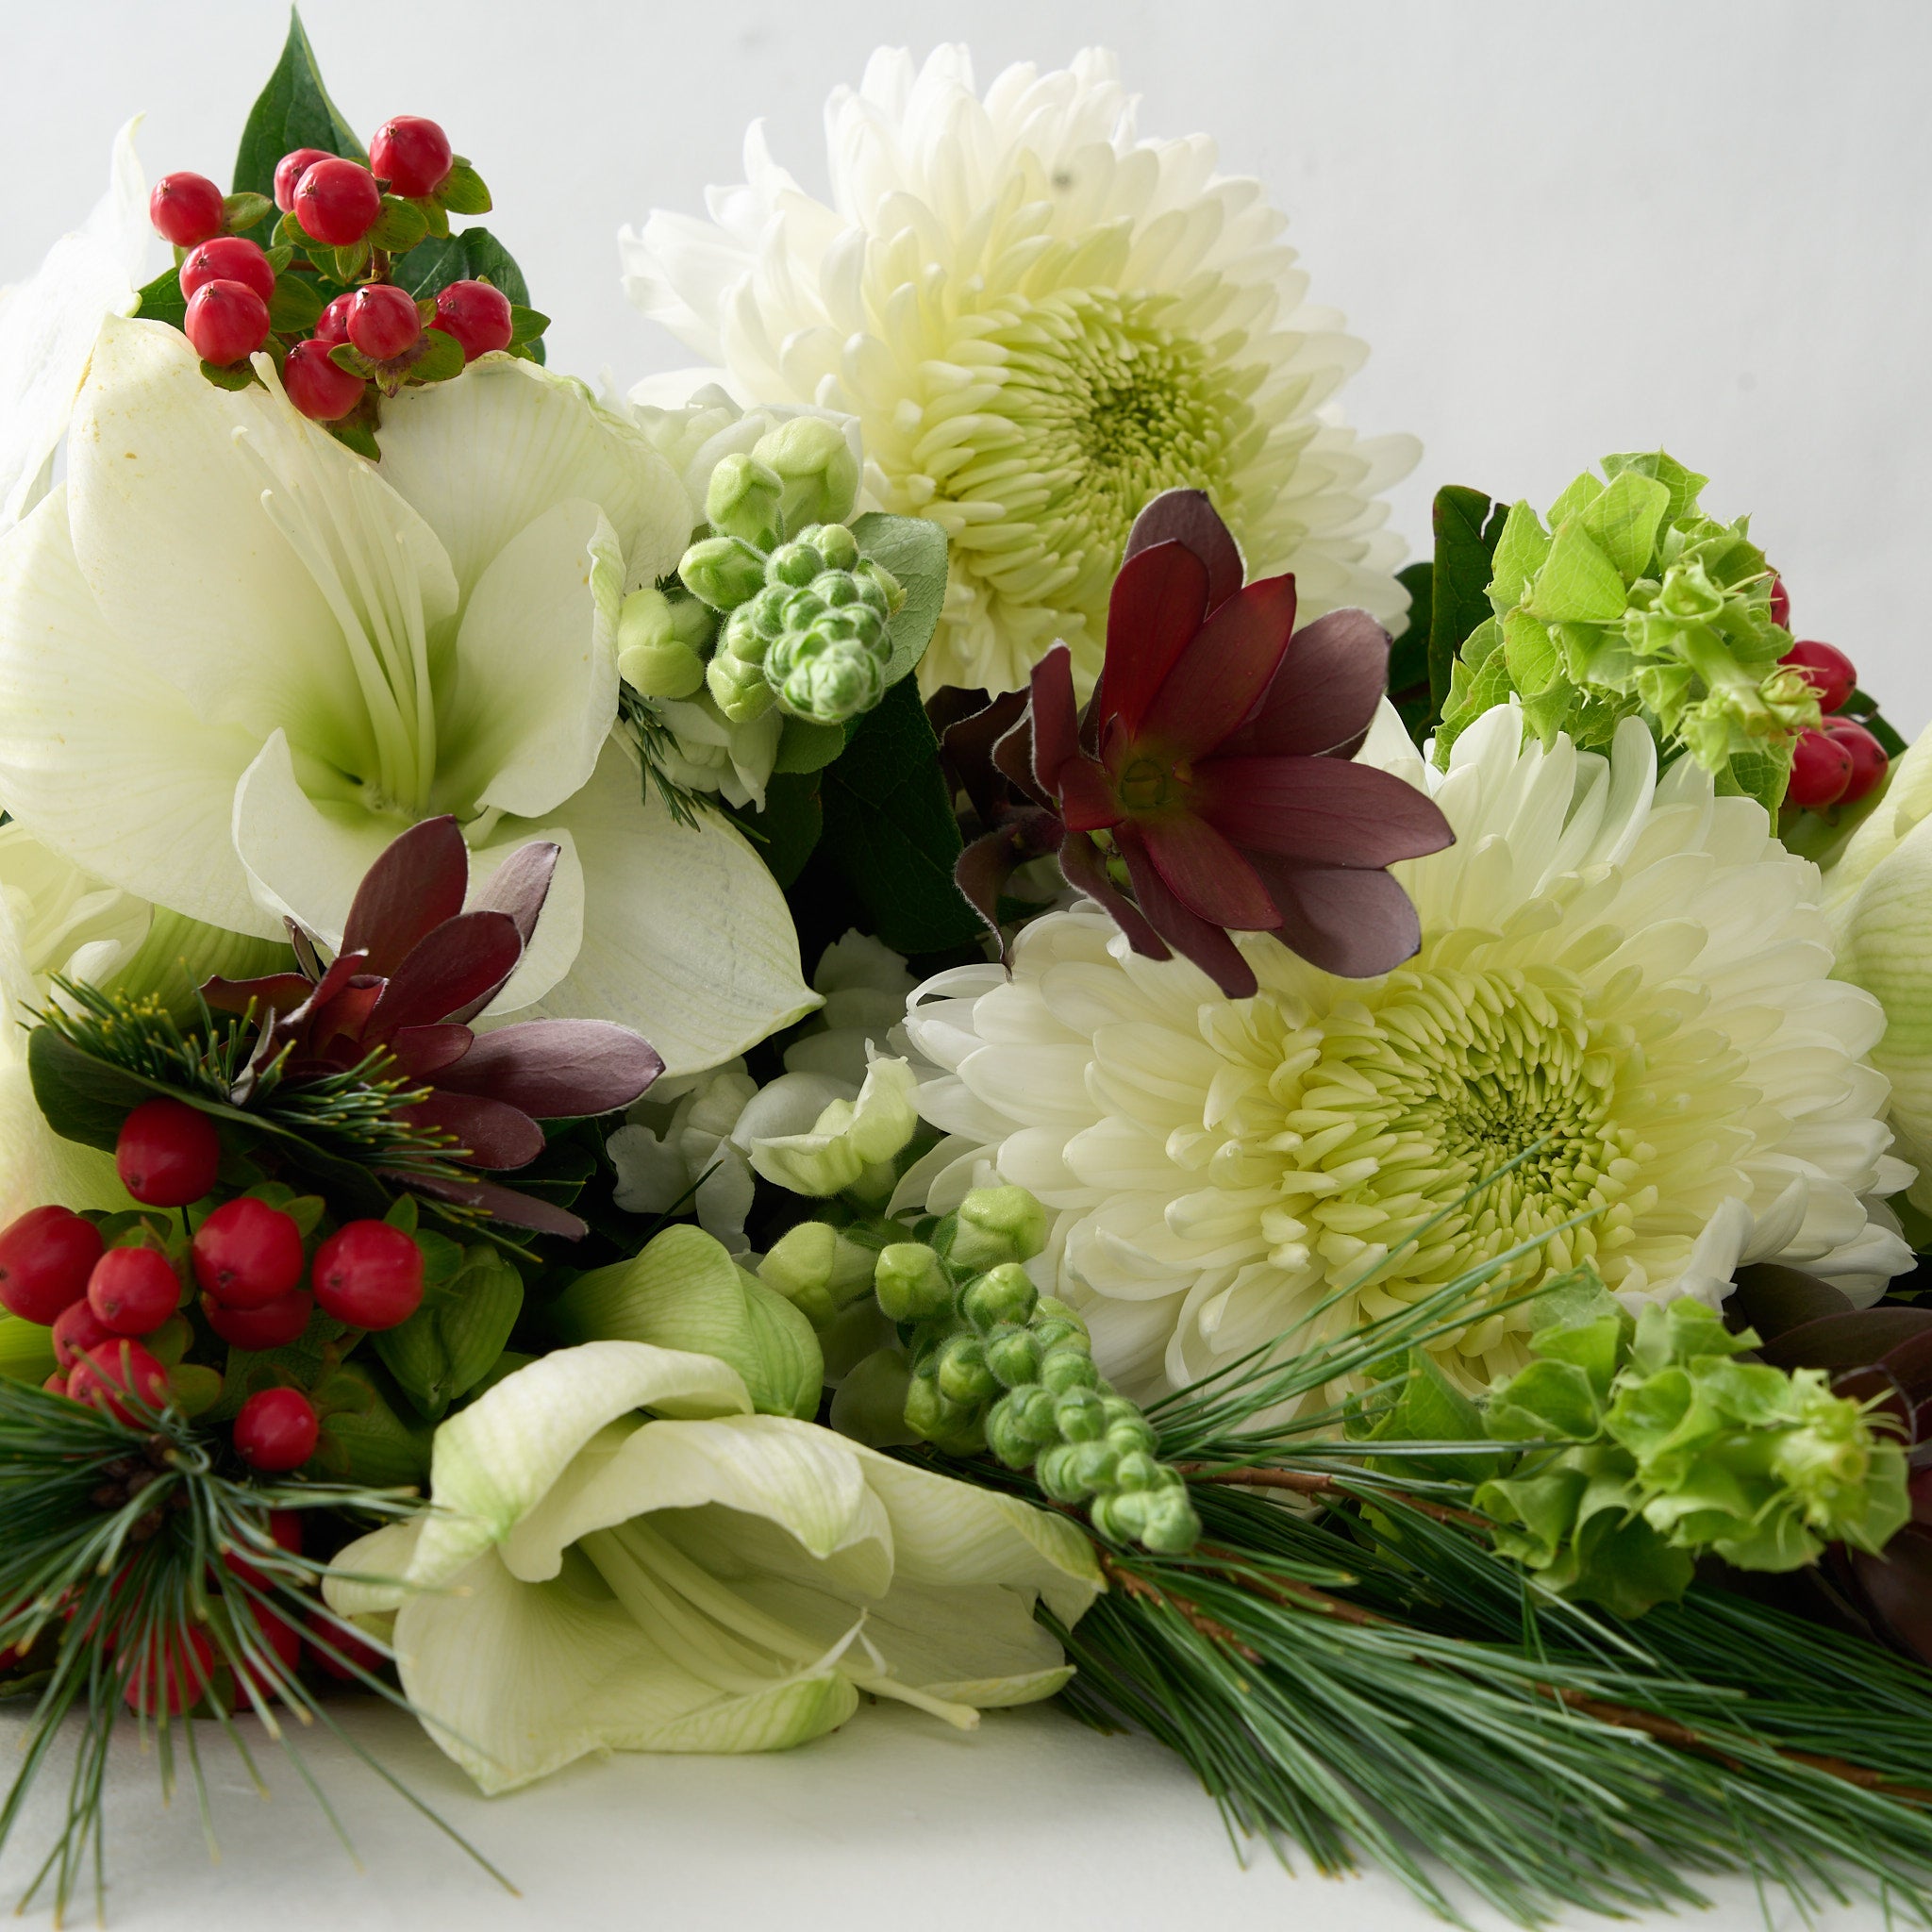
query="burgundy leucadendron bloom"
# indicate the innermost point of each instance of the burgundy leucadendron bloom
(1207, 787)
(414, 969)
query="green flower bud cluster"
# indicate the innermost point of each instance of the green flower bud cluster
(997, 1365)
(813, 637)
(1634, 602)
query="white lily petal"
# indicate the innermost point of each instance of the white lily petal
(686, 936)
(499, 1457)
(484, 457)
(536, 690)
(304, 861)
(518, 1679)
(366, 1579)
(48, 324)
(100, 759)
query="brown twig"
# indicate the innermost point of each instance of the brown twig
(1131, 1584)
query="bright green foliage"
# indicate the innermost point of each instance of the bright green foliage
(1632, 600)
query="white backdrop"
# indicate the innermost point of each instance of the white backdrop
(1564, 228)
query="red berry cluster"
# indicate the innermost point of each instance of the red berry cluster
(344, 222)
(1843, 763)
(117, 1312)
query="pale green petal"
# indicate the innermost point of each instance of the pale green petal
(518, 1679)
(366, 1577)
(1887, 950)
(560, 924)
(304, 861)
(495, 1460)
(100, 759)
(803, 1478)
(536, 680)
(848, 1137)
(686, 936)
(485, 456)
(48, 325)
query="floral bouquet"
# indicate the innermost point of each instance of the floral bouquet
(891, 1021)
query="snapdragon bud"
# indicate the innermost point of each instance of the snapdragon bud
(818, 471)
(996, 1226)
(1005, 1293)
(911, 1282)
(737, 688)
(743, 499)
(725, 571)
(816, 1269)
(650, 657)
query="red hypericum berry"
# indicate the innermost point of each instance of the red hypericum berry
(277, 1430)
(114, 1373)
(383, 322)
(55, 1384)
(247, 1253)
(1780, 604)
(77, 1330)
(285, 1527)
(337, 202)
(1820, 770)
(171, 1673)
(369, 1274)
(275, 1326)
(228, 258)
(341, 1655)
(133, 1290)
(226, 322)
(412, 154)
(290, 169)
(476, 314)
(1869, 761)
(332, 326)
(168, 1154)
(1825, 668)
(321, 391)
(43, 1256)
(185, 208)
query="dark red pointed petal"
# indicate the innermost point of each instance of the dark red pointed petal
(1353, 924)
(554, 1069)
(501, 1204)
(279, 993)
(968, 744)
(335, 1026)
(1186, 517)
(1157, 603)
(1206, 872)
(421, 1051)
(457, 968)
(1224, 671)
(302, 941)
(1208, 946)
(416, 884)
(520, 885)
(492, 1133)
(983, 869)
(1013, 757)
(1085, 871)
(1056, 717)
(1087, 799)
(1324, 695)
(1323, 811)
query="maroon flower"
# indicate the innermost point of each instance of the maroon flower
(1206, 788)
(414, 969)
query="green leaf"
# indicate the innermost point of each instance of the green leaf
(1430, 1408)
(914, 550)
(1409, 654)
(242, 211)
(295, 306)
(441, 357)
(236, 375)
(161, 300)
(356, 434)
(363, 1438)
(787, 832)
(890, 828)
(462, 190)
(398, 228)
(475, 255)
(808, 745)
(344, 265)
(453, 1341)
(1467, 525)
(435, 218)
(526, 325)
(293, 111)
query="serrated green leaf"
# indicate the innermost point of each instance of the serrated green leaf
(914, 550)
(295, 306)
(462, 190)
(293, 111)
(398, 228)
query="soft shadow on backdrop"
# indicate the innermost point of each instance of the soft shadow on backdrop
(1563, 228)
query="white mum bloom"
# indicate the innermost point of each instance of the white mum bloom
(1634, 973)
(1039, 320)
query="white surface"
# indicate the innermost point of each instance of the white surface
(1563, 229)
(894, 1824)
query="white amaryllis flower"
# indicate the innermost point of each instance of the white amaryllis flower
(1632, 973)
(590, 1580)
(1039, 320)
(235, 661)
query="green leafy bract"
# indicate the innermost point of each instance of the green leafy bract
(293, 111)
(1633, 601)
(914, 550)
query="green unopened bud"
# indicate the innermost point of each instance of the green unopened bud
(1135, 1469)
(819, 470)
(869, 1405)
(1170, 1526)
(816, 1269)
(694, 622)
(911, 1282)
(1068, 1367)
(1080, 1415)
(922, 1411)
(998, 1225)
(838, 680)
(739, 690)
(1001, 1294)
(962, 1371)
(743, 499)
(1061, 1473)
(650, 657)
(1014, 1358)
(1131, 1433)
(723, 571)
(833, 543)
(890, 587)
(1020, 1424)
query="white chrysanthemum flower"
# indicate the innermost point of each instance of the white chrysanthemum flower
(1039, 320)
(1634, 973)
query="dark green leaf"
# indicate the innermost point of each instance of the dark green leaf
(398, 228)
(293, 111)
(346, 355)
(526, 325)
(453, 1341)
(786, 833)
(161, 300)
(295, 306)
(435, 219)
(475, 255)
(807, 746)
(1467, 526)
(229, 376)
(347, 264)
(1409, 654)
(1864, 708)
(462, 190)
(890, 827)
(242, 211)
(358, 436)
(914, 550)
(441, 357)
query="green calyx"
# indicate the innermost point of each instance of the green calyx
(1633, 601)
